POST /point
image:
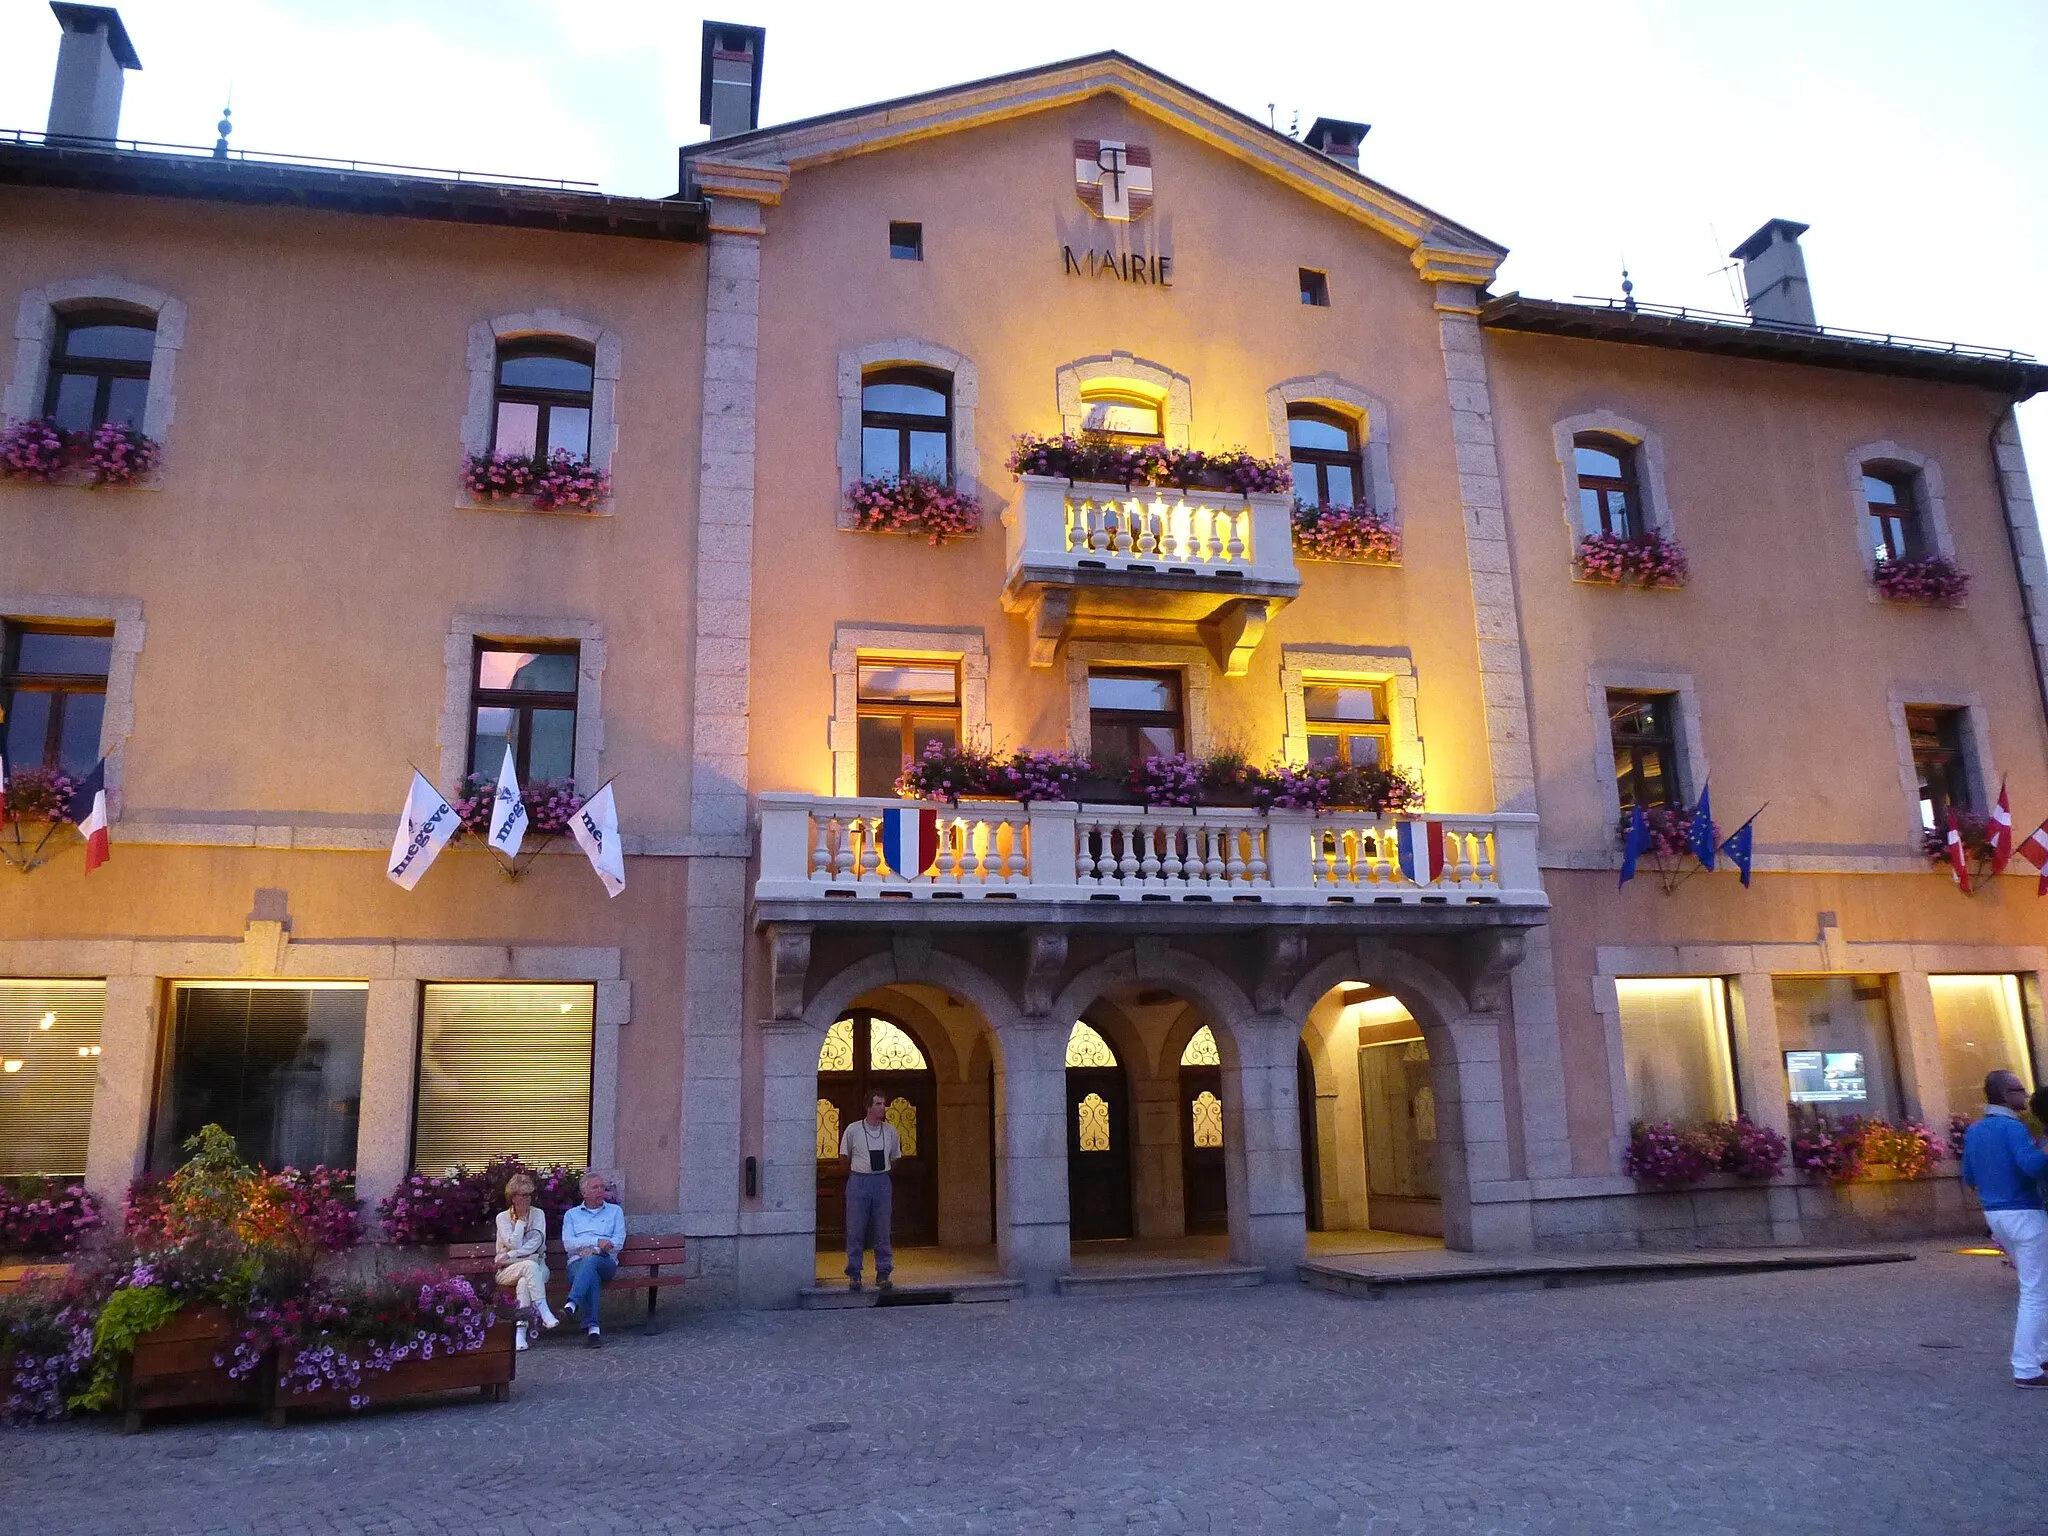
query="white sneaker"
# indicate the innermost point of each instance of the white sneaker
(548, 1320)
(519, 1336)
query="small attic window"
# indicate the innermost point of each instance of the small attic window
(1315, 288)
(906, 242)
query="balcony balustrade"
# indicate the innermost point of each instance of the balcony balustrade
(1111, 560)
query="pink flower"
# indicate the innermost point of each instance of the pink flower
(1936, 582)
(913, 503)
(1650, 560)
(1326, 532)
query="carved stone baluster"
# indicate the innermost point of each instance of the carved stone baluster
(1147, 543)
(1127, 852)
(843, 836)
(1086, 840)
(870, 847)
(1172, 864)
(821, 849)
(1148, 866)
(1233, 871)
(1239, 543)
(1255, 867)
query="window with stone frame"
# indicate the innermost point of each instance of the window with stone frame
(1348, 723)
(1643, 729)
(1329, 464)
(1897, 531)
(53, 694)
(906, 423)
(1940, 763)
(541, 397)
(99, 368)
(1610, 492)
(905, 704)
(1134, 714)
(523, 696)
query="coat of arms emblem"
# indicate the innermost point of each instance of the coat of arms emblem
(1113, 179)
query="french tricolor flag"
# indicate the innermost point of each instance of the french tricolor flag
(89, 811)
(910, 841)
(1420, 845)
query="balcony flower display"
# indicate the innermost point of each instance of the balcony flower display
(547, 483)
(549, 804)
(948, 772)
(113, 454)
(1838, 1150)
(1935, 582)
(913, 503)
(1100, 461)
(1667, 1156)
(37, 794)
(1670, 831)
(1649, 560)
(46, 1217)
(1330, 785)
(1358, 534)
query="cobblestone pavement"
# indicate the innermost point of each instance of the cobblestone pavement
(1857, 1400)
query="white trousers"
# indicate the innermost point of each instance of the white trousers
(529, 1281)
(2024, 1237)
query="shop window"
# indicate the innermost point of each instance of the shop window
(53, 694)
(1980, 1024)
(523, 696)
(49, 1067)
(904, 706)
(1644, 731)
(279, 1067)
(504, 1067)
(906, 423)
(1675, 1048)
(1315, 287)
(1610, 500)
(1121, 417)
(1940, 764)
(1840, 1057)
(906, 242)
(541, 401)
(1896, 532)
(1134, 716)
(99, 369)
(1329, 465)
(1347, 723)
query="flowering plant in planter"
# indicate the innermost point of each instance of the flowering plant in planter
(46, 1216)
(1670, 830)
(446, 1208)
(1978, 847)
(1667, 1156)
(1035, 775)
(1104, 462)
(118, 454)
(37, 794)
(1359, 534)
(34, 450)
(913, 503)
(1838, 1150)
(1936, 582)
(46, 1339)
(114, 453)
(1746, 1149)
(1958, 1128)
(549, 804)
(1648, 560)
(556, 480)
(1173, 780)
(947, 770)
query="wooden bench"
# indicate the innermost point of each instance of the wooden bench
(13, 1275)
(650, 1262)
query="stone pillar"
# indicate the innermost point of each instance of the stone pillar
(777, 1257)
(1917, 1039)
(1262, 1147)
(1031, 1172)
(1759, 1057)
(116, 1144)
(1486, 1210)
(384, 1126)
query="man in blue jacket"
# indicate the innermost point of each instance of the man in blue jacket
(2002, 1164)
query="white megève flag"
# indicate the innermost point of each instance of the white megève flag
(596, 830)
(508, 811)
(424, 827)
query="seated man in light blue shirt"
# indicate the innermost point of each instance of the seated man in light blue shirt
(592, 1235)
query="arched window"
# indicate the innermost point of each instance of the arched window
(541, 397)
(906, 423)
(1610, 500)
(1121, 416)
(1895, 531)
(1329, 467)
(99, 369)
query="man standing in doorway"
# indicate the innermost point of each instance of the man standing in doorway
(871, 1148)
(2002, 1164)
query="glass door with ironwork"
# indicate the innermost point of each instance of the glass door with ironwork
(866, 1053)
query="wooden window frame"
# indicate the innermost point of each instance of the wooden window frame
(1900, 530)
(1380, 730)
(1126, 720)
(1939, 735)
(60, 685)
(906, 712)
(1628, 486)
(903, 423)
(1629, 783)
(1314, 464)
(1125, 397)
(521, 701)
(102, 370)
(546, 400)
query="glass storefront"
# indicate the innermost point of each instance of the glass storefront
(1839, 1053)
(1981, 1024)
(49, 1068)
(504, 1067)
(1674, 1044)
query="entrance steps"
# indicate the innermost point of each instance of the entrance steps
(830, 1298)
(1388, 1274)
(1165, 1280)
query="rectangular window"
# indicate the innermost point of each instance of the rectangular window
(1347, 723)
(504, 1068)
(49, 1066)
(1675, 1047)
(1644, 730)
(1981, 1027)
(99, 369)
(523, 697)
(278, 1066)
(1315, 288)
(905, 705)
(906, 242)
(53, 694)
(543, 398)
(1940, 764)
(1134, 716)
(1836, 1032)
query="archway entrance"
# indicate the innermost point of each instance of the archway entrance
(866, 1052)
(1098, 1138)
(1369, 1134)
(1205, 1203)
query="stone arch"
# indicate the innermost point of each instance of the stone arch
(1375, 418)
(912, 964)
(1649, 446)
(1193, 977)
(1926, 472)
(482, 360)
(854, 363)
(35, 328)
(1173, 391)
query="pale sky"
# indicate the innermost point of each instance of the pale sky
(1912, 137)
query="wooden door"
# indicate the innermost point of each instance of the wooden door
(1098, 1153)
(866, 1052)
(1204, 1202)
(1311, 1143)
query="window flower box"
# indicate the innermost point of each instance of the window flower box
(1856, 1147)
(558, 482)
(1648, 560)
(1103, 461)
(1936, 582)
(1666, 1156)
(550, 803)
(1355, 534)
(37, 795)
(42, 1218)
(112, 455)
(923, 505)
(173, 1367)
(1978, 848)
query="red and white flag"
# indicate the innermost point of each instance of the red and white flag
(1958, 856)
(89, 811)
(2035, 851)
(2001, 832)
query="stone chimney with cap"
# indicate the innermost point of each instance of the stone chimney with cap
(1774, 275)
(92, 58)
(1338, 139)
(729, 100)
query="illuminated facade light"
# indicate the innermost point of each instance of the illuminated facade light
(11, 1064)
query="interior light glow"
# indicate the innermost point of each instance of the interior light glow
(47, 1021)
(567, 1006)
(1987, 1253)
(11, 1064)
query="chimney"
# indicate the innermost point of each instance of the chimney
(1774, 275)
(729, 100)
(1338, 139)
(85, 102)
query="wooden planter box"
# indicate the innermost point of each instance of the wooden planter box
(487, 1371)
(16, 1271)
(172, 1367)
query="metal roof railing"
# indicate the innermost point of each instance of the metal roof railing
(1831, 332)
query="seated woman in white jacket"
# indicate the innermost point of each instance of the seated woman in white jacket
(523, 1254)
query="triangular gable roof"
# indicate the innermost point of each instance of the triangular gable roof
(1440, 247)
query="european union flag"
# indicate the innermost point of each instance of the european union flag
(1741, 848)
(1703, 831)
(1634, 846)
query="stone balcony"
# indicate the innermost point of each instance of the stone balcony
(1152, 562)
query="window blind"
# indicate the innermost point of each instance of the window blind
(504, 1068)
(49, 1066)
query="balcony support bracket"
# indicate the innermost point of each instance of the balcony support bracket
(1052, 611)
(789, 963)
(1489, 954)
(1234, 633)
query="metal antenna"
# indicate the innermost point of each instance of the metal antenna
(1628, 289)
(1270, 123)
(1726, 269)
(226, 126)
